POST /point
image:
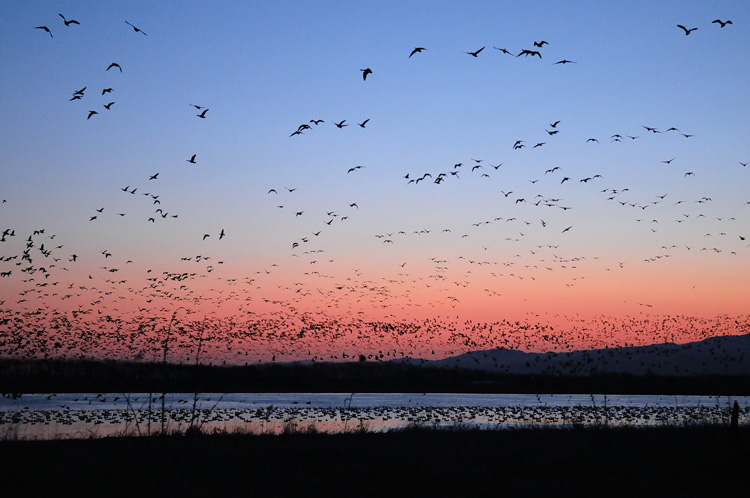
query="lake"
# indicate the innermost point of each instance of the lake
(82, 415)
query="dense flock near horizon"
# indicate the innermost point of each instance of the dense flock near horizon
(60, 298)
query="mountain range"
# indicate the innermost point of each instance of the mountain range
(725, 355)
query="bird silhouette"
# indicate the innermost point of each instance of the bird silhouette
(687, 31)
(475, 53)
(45, 28)
(192, 159)
(722, 23)
(73, 21)
(416, 50)
(526, 53)
(91, 113)
(137, 30)
(203, 114)
(114, 64)
(365, 72)
(540, 44)
(341, 124)
(363, 123)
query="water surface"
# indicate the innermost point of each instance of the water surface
(76, 415)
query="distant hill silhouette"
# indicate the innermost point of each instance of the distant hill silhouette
(727, 355)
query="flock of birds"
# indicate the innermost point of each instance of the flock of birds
(192, 313)
(104, 415)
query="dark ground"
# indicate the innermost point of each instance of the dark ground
(60, 376)
(663, 462)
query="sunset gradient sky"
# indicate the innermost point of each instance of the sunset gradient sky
(663, 232)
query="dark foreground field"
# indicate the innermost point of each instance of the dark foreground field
(664, 462)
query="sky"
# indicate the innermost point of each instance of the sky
(600, 180)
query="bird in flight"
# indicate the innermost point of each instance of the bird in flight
(107, 90)
(114, 64)
(222, 234)
(153, 177)
(363, 123)
(355, 168)
(365, 72)
(91, 113)
(505, 51)
(526, 53)
(722, 23)
(416, 50)
(565, 61)
(137, 30)
(341, 124)
(108, 106)
(192, 159)
(73, 21)
(687, 31)
(669, 161)
(541, 44)
(45, 28)
(203, 114)
(476, 53)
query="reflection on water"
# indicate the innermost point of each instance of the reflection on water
(48, 416)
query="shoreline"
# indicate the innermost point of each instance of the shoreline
(69, 376)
